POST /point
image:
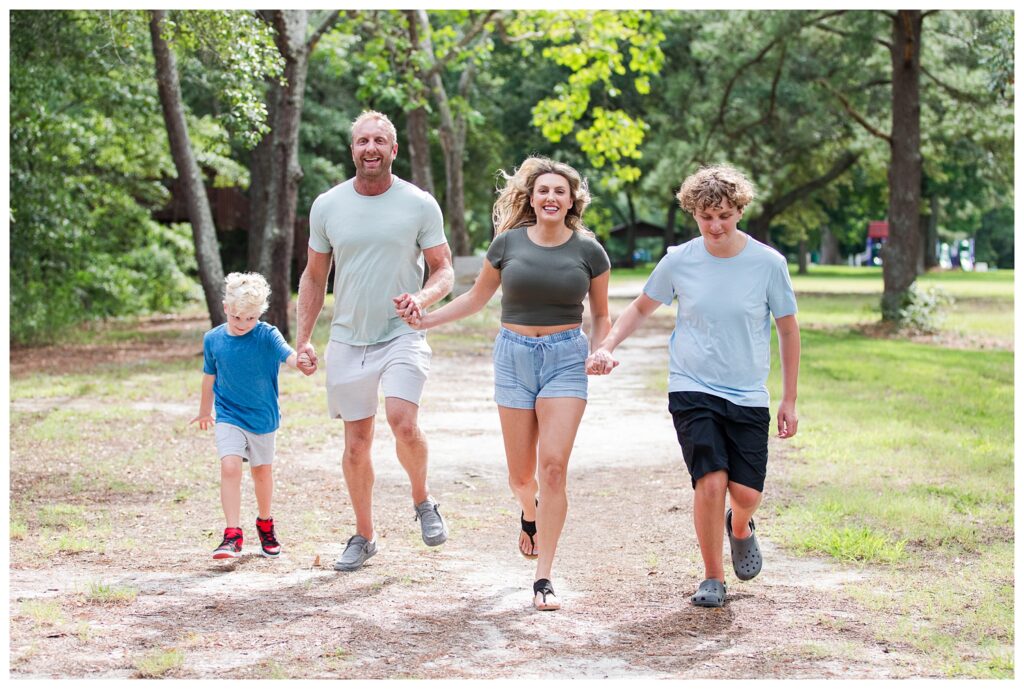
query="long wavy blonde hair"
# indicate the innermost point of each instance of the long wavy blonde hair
(513, 209)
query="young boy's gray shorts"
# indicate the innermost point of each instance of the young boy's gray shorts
(256, 448)
(356, 374)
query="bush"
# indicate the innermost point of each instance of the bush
(923, 309)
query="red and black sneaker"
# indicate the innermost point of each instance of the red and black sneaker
(231, 546)
(269, 544)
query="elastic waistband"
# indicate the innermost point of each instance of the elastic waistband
(507, 334)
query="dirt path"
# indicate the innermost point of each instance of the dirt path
(626, 566)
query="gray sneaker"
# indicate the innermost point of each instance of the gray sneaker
(435, 531)
(357, 551)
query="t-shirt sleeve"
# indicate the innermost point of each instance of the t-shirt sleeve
(209, 365)
(281, 349)
(431, 232)
(781, 298)
(597, 259)
(496, 251)
(318, 240)
(659, 284)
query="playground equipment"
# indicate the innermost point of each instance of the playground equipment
(959, 255)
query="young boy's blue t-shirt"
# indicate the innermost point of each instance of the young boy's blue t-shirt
(721, 342)
(246, 368)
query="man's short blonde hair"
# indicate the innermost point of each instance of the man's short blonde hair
(246, 293)
(707, 187)
(374, 115)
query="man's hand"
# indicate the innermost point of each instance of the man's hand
(601, 362)
(205, 421)
(409, 309)
(307, 361)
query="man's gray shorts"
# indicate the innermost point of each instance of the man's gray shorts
(257, 448)
(355, 373)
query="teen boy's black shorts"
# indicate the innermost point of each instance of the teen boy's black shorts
(716, 434)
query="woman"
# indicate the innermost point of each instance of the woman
(546, 262)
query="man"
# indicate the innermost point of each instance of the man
(378, 229)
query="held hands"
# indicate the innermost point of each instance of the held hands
(306, 361)
(205, 421)
(787, 419)
(601, 362)
(408, 308)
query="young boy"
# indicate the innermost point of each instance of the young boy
(241, 359)
(728, 285)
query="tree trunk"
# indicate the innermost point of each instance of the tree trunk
(204, 234)
(829, 247)
(670, 227)
(801, 259)
(417, 128)
(902, 249)
(452, 133)
(418, 122)
(630, 232)
(931, 238)
(276, 172)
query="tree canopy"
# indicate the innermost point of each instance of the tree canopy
(802, 101)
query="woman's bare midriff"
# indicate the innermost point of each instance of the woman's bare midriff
(538, 330)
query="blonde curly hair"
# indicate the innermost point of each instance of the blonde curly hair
(707, 187)
(513, 209)
(246, 293)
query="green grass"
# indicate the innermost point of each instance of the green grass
(159, 662)
(904, 462)
(42, 612)
(107, 594)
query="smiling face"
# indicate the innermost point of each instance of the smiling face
(551, 198)
(373, 150)
(240, 321)
(718, 224)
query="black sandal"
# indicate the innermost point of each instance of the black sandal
(543, 588)
(529, 528)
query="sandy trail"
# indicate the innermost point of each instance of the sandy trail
(626, 566)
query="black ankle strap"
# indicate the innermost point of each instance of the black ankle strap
(530, 528)
(542, 586)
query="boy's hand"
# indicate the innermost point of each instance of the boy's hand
(205, 421)
(787, 419)
(600, 363)
(306, 362)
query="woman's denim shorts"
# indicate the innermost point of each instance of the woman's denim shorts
(526, 368)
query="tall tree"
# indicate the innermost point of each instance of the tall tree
(244, 48)
(275, 170)
(211, 271)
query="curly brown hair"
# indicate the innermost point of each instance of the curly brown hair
(707, 187)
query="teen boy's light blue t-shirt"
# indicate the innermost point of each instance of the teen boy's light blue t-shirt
(246, 367)
(721, 342)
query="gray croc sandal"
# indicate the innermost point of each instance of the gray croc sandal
(746, 555)
(710, 594)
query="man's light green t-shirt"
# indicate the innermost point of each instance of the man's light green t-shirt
(378, 244)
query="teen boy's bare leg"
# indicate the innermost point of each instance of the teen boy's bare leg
(357, 466)
(709, 521)
(744, 501)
